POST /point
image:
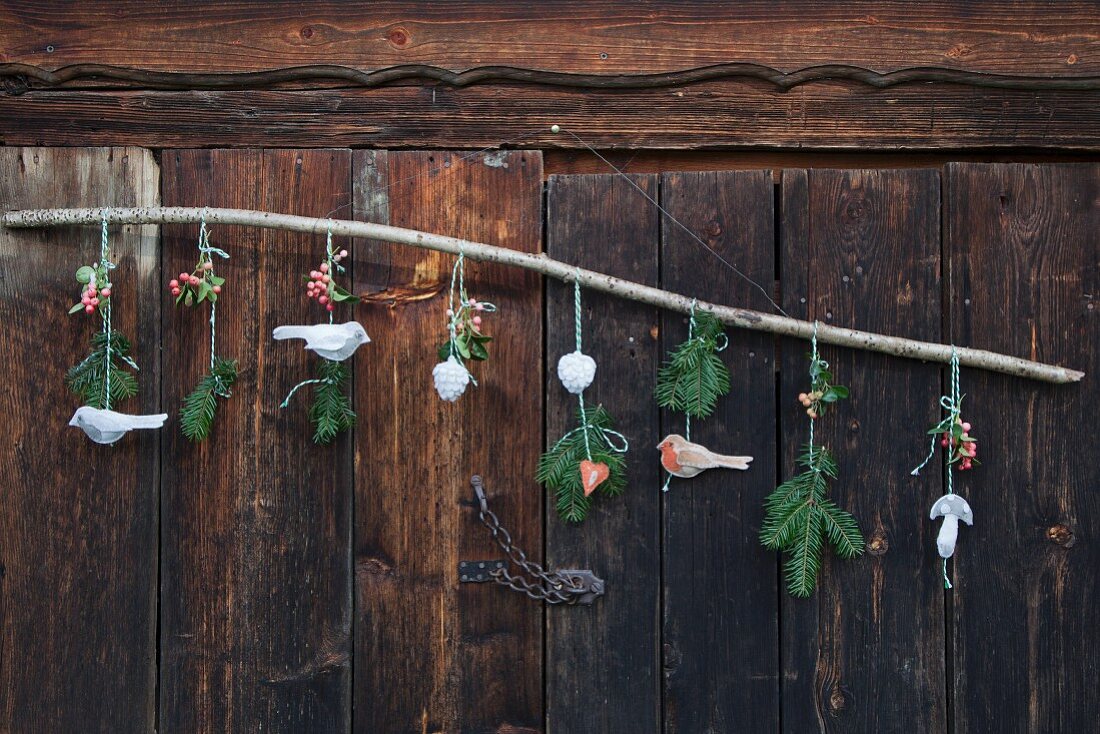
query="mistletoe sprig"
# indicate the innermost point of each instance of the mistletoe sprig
(694, 376)
(95, 292)
(560, 468)
(191, 289)
(954, 435)
(798, 515)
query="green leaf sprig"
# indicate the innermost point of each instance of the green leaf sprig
(799, 516)
(200, 407)
(559, 468)
(331, 412)
(694, 376)
(822, 392)
(89, 378)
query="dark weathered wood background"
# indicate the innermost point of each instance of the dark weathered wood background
(260, 583)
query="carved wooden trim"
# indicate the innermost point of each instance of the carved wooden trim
(18, 78)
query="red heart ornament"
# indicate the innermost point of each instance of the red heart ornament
(593, 475)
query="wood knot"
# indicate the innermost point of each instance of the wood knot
(838, 700)
(307, 32)
(398, 37)
(879, 544)
(1061, 535)
(853, 427)
(713, 229)
(959, 51)
(673, 658)
(1071, 59)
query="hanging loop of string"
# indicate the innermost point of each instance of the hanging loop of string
(577, 332)
(107, 265)
(206, 254)
(813, 361)
(687, 416)
(952, 405)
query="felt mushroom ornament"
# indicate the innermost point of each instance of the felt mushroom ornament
(952, 508)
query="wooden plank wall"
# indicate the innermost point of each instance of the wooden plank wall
(1035, 39)
(1024, 278)
(314, 588)
(78, 524)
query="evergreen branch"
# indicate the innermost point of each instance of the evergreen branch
(804, 560)
(331, 412)
(559, 467)
(89, 378)
(199, 408)
(693, 377)
(798, 516)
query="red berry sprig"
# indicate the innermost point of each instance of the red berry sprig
(95, 289)
(321, 284)
(964, 448)
(197, 286)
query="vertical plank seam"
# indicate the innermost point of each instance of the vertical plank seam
(664, 323)
(778, 233)
(947, 304)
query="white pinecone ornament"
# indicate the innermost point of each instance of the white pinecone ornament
(451, 378)
(576, 371)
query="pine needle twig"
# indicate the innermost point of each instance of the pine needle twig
(200, 407)
(331, 412)
(89, 378)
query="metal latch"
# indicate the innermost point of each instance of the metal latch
(565, 586)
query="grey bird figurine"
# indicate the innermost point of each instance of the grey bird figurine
(334, 342)
(107, 426)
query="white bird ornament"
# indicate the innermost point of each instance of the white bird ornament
(334, 342)
(107, 426)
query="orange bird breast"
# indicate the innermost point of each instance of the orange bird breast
(668, 458)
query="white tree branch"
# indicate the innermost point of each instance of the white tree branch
(540, 263)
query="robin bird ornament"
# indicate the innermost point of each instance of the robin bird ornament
(684, 459)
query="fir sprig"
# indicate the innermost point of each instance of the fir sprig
(89, 378)
(559, 468)
(799, 516)
(331, 412)
(199, 408)
(694, 376)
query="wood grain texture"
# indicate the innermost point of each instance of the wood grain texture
(78, 530)
(1025, 274)
(606, 36)
(712, 115)
(255, 583)
(861, 248)
(603, 661)
(431, 654)
(721, 616)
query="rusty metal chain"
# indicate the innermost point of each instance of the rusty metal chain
(553, 587)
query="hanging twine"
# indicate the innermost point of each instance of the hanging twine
(333, 267)
(107, 265)
(206, 254)
(458, 287)
(813, 361)
(613, 440)
(953, 405)
(723, 342)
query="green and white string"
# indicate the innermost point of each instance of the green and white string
(813, 361)
(107, 265)
(458, 287)
(687, 416)
(333, 267)
(953, 405)
(614, 440)
(206, 254)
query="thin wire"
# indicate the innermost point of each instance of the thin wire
(676, 221)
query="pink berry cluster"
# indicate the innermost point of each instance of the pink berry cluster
(95, 289)
(469, 313)
(199, 285)
(321, 285)
(964, 448)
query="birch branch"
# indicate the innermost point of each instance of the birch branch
(729, 315)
